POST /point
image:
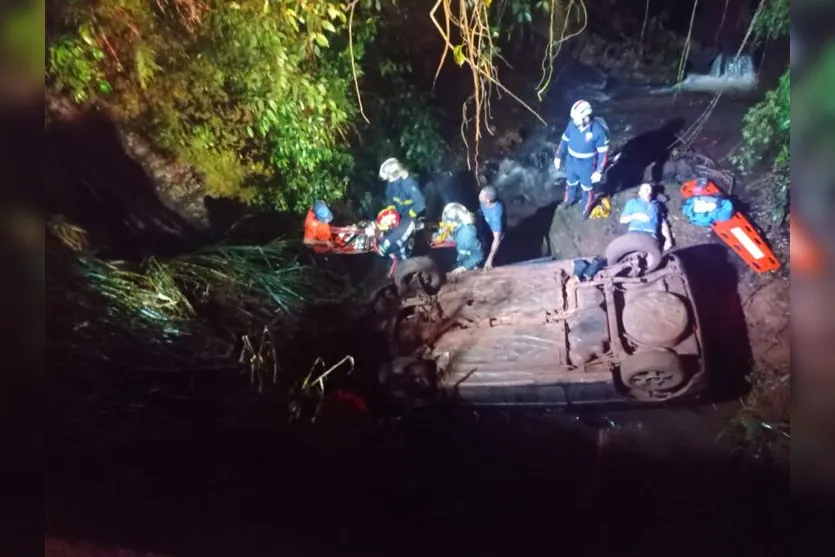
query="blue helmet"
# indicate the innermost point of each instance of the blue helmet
(322, 211)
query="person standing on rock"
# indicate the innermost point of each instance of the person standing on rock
(493, 212)
(584, 146)
(646, 215)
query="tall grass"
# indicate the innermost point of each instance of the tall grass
(184, 314)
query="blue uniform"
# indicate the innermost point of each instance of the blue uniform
(398, 242)
(468, 246)
(652, 209)
(494, 217)
(586, 151)
(405, 195)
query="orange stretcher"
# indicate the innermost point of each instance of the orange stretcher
(738, 233)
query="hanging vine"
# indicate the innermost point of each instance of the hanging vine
(470, 18)
(555, 45)
(685, 54)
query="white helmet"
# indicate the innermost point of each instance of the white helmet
(580, 110)
(457, 214)
(391, 169)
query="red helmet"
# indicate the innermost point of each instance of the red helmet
(388, 218)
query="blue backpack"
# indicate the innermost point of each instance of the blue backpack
(724, 210)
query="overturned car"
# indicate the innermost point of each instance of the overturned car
(535, 333)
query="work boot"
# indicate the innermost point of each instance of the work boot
(588, 205)
(568, 199)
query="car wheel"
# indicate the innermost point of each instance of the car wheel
(638, 249)
(421, 268)
(652, 375)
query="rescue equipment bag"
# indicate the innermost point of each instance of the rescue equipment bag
(704, 210)
(602, 209)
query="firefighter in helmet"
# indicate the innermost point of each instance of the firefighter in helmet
(584, 147)
(402, 191)
(396, 235)
(470, 251)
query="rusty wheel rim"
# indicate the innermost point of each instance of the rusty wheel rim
(637, 263)
(654, 380)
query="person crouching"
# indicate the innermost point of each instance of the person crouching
(469, 250)
(396, 236)
(317, 229)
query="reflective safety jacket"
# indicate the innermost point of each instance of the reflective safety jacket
(591, 142)
(469, 248)
(405, 195)
(399, 241)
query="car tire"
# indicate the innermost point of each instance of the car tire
(424, 269)
(635, 243)
(652, 375)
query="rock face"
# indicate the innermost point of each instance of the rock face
(176, 186)
(179, 187)
(523, 183)
(126, 197)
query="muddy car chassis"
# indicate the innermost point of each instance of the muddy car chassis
(534, 334)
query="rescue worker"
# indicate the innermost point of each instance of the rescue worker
(402, 190)
(396, 238)
(493, 212)
(317, 229)
(586, 144)
(646, 215)
(319, 234)
(469, 250)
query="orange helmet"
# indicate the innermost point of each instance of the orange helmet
(388, 218)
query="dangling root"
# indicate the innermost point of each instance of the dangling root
(554, 47)
(352, 6)
(686, 51)
(477, 51)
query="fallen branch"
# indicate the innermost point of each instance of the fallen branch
(320, 380)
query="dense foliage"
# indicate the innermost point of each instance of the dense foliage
(773, 20)
(766, 128)
(403, 123)
(258, 96)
